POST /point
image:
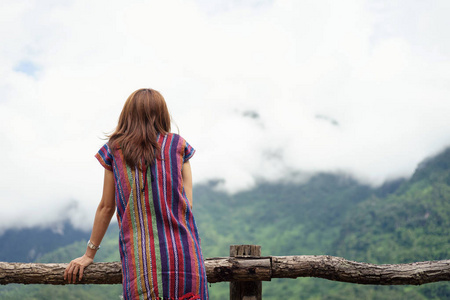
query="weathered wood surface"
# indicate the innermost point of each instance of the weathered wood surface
(238, 269)
(340, 269)
(250, 269)
(248, 290)
(33, 273)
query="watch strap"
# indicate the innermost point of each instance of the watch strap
(92, 246)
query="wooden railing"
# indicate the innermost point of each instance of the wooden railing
(246, 268)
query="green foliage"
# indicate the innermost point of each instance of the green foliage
(35, 242)
(69, 292)
(109, 251)
(402, 221)
(412, 225)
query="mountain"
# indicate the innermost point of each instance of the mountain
(402, 221)
(28, 245)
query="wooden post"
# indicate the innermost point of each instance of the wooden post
(245, 290)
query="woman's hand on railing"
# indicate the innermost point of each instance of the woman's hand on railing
(75, 266)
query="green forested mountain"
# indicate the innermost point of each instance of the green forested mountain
(401, 221)
(35, 242)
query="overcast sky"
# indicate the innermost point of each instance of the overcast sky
(263, 89)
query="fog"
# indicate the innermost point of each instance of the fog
(263, 90)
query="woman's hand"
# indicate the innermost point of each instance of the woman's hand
(75, 266)
(103, 216)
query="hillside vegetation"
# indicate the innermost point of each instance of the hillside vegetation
(401, 221)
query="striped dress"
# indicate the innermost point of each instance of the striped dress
(158, 240)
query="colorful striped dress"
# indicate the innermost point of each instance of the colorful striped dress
(158, 240)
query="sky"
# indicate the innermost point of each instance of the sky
(271, 90)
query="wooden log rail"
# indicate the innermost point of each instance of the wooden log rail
(250, 268)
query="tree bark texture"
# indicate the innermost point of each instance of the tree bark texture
(340, 269)
(33, 273)
(250, 269)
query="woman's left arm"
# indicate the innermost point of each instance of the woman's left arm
(105, 211)
(186, 174)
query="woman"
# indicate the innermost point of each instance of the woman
(148, 178)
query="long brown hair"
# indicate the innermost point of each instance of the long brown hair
(143, 116)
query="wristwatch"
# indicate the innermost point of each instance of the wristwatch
(92, 246)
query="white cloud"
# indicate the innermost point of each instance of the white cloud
(381, 73)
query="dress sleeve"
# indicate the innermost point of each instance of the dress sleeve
(188, 152)
(105, 157)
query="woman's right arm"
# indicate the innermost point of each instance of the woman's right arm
(105, 211)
